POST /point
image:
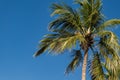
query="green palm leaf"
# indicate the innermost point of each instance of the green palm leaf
(61, 9)
(40, 51)
(112, 69)
(57, 43)
(96, 69)
(61, 44)
(77, 58)
(109, 23)
(110, 42)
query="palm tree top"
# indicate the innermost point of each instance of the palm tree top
(84, 26)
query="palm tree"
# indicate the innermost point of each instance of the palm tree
(86, 28)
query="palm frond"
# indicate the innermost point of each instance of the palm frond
(58, 43)
(112, 69)
(96, 69)
(111, 58)
(109, 43)
(109, 49)
(61, 9)
(61, 44)
(69, 23)
(68, 18)
(77, 58)
(109, 23)
(90, 11)
(85, 10)
(44, 43)
(79, 2)
(40, 51)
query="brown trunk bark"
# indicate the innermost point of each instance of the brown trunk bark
(84, 65)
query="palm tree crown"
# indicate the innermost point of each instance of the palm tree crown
(86, 27)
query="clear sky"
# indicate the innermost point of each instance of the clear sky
(22, 25)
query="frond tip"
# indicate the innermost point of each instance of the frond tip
(40, 51)
(109, 23)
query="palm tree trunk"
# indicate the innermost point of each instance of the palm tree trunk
(84, 65)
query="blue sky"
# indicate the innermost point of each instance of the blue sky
(22, 25)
